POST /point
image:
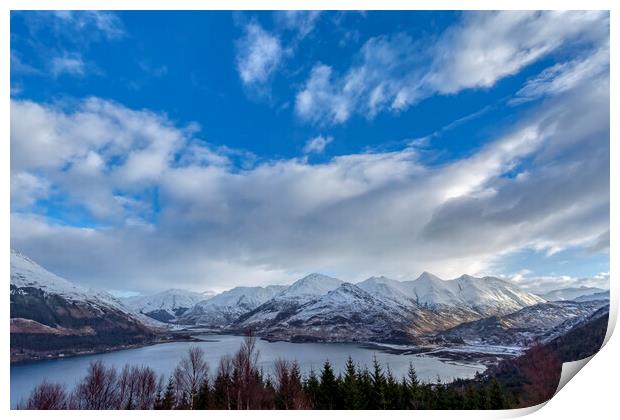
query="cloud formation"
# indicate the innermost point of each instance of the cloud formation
(170, 208)
(89, 22)
(317, 144)
(258, 55)
(393, 72)
(71, 64)
(124, 198)
(59, 39)
(564, 76)
(302, 22)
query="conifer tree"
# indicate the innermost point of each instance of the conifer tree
(482, 402)
(470, 398)
(328, 389)
(203, 399)
(412, 389)
(392, 391)
(349, 387)
(168, 402)
(312, 389)
(440, 402)
(497, 400)
(364, 385)
(299, 399)
(378, 401)
(222, 390)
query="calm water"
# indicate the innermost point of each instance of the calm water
(164, 357)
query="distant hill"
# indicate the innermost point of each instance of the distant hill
(572, 293)
(165, 306)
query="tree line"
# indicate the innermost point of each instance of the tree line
(238, 383)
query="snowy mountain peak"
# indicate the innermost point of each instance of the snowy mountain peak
(312, 285)
(347, 289)
(27, 273)
(379, 279)
(225, 307)
(428, 277)
(166, 305)
(391, 289)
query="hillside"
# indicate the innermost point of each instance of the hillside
(51, 315)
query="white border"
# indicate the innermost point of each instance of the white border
(593, 395)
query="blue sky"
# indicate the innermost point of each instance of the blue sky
(213, 149)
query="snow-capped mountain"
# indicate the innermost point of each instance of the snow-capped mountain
(27, 274)
(289, 300)
(487, 295)
(49, 313)
(347, 313)
(571, 293)
(393, 290)
(309, 287)
(537, 323)
(220, 310)
(323, 307)
(594, 296)
(167, 305)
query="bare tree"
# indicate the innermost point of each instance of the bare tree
(147, 388)
(126, 388)
(98, 390)
(137, 387)
(248, 381)
(46, 396)
(190, 373)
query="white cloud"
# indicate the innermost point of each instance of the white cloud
(489, 46)
(300, 21)
(71, 64)
(317, 144)
(258, 55)
(89, 22)
(26, 188)
(564, 76)
(391, 73)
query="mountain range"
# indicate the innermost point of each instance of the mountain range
(314, 308)
(574, 293)
(165, 306)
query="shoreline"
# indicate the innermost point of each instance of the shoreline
(456, 354)
(32, 357)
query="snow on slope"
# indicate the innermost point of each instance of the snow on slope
(342, 302)
(289, 300)
(25, 274)
(594, 296)
(525, 326)
(347, 313)
(571, 293)
(488, 295)
(309, 287)
(172, 302)
(224, 308)
(393, 290)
